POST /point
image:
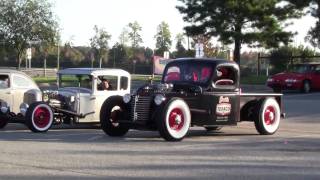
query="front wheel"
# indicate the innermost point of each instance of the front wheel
(3, 121)
(39, 117)
(174, 122)
(111, 112)
(267, 119)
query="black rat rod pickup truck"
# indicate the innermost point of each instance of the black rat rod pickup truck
(192, 92)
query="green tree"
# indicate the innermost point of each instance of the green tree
(148, 53)
(22, 21)
(180, 49)
(118, 54)
(163, 38)
(282, 59)
(134, 34)
(314, 33)
(99, 42)
(124, 37)
(240, 21)
(71, 55)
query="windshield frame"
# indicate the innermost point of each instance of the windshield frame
(186, 66)
(80, 79)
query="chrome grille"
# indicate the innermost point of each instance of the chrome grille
(140, 108)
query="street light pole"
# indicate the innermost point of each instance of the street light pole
(58, 58)
(114, 58)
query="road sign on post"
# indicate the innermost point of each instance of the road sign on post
(29, 56)
(199, 50)
(166, 55)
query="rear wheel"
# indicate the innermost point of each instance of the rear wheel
(111, 112)
(267, 118)
(39, 117)
(174, 121)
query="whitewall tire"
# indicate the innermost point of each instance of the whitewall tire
(268, 120)
(39, 117)
(175, 120)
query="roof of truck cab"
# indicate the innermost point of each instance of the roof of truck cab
(201, 60)
(94, 71)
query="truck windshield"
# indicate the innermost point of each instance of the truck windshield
(188, 73)
(75, 80)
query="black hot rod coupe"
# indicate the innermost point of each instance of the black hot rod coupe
(192, 92)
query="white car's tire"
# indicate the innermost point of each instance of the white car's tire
(175, 120)
(112, 110)
(3, 121)
(267, 119)
(39, 117)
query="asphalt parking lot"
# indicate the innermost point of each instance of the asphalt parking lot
(233, 153)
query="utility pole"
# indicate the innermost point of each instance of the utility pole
(114, 57)
(58, 58)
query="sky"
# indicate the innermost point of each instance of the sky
(78, 17)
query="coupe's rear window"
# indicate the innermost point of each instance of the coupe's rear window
(226, 76)
(4, 82)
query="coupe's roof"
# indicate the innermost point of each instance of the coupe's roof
(12, 71)
(94, 71)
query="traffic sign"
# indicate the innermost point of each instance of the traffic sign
(199, 50)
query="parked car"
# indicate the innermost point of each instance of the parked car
(16, 89)
(304, 77)
(80, 95)
(193, 92)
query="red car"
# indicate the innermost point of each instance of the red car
(303, 77)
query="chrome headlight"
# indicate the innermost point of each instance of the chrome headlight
(45, 97)
(72, 98)
(23, 108)
(159, 99)
(4, 107)
(126, 98)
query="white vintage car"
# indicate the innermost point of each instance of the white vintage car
(80, 95)
(16, 89)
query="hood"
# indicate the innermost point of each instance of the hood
(154, 88)
(73, 91)
(287, 75)
(168, 88)
(64, 94)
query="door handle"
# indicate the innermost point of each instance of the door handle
(8, 92)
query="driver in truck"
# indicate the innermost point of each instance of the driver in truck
(104, 85)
